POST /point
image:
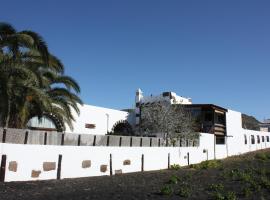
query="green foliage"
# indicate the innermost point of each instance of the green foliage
(174, 179)
(33, 81)
(184, 191)
(219, 193)
(208, 164)
(166, 190)
(175, 167)
(262, 156)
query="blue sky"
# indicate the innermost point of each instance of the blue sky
(212, 51)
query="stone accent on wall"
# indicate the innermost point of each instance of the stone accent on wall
(86, 163)
(126, 162)
(49, 166)
(103, 168)
(35, 173)
(12, 166)
(118, 171)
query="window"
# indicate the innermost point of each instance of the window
(258, 139)
(208, 116)
(90, 126)
(262, 138)
(252, 139)
(267, 138)
(245, 136)
(220, 118)
(220, 139)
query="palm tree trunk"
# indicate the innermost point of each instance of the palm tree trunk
(8, 113)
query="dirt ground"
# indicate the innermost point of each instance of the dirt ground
(194, 183)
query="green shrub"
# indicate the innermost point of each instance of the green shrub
(216, 187)
(166, 190)
(247, 192)
(175, 167)
(184, 191)
(174, 179)
(262, 156)
(208, 164)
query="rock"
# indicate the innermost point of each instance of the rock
(126, 162)
(118, 171)
(86, 163)
(12, 166)
(35, 173)
(48, 166)
(103, 168)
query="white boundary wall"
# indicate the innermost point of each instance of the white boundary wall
(32, 157)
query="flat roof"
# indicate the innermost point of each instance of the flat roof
(207, 106)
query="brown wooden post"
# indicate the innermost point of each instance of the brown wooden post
(159, 142)
(62, 139)
(188, 158)
(45, 138)
(3, 168)
(79, 140)
(130, 144)
(141, 142)
(150, 142)
(169, 160)
(111, 165)
(94, 142)
(59, 166)
(26, 137)
(120, 142)
(142, 159)
(108, 140)
(4, 135)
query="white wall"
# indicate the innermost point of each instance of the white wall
(31, 157)
(103, 118)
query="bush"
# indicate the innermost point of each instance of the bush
(174, 179)
(175, 167)
(262, 156)
(166, 190)
(184, 191)
(208, 164)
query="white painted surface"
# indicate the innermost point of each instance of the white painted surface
(31, 157)
(103, 118)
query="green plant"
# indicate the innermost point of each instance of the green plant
(208, 164)
(184, 191)
(247, 192)
(216, 187)
(262, 156)
(166, 190)
(174, 179)
(175, 166)
(230, 196)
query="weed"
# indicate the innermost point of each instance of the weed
(184, 191)
(230, 196)
(247, 192)
(175, 167)
(216, 187)
(262, 156)
(166, 190)
(174, 179)
(208, 164)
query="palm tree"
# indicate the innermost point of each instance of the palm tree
(32, 81)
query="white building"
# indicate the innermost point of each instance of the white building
(171, 97)
(92, 120)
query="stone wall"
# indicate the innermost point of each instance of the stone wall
(24, 136)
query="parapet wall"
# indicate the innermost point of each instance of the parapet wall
(20, 136)
(30, 155)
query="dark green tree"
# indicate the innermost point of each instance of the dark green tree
(32, 81)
